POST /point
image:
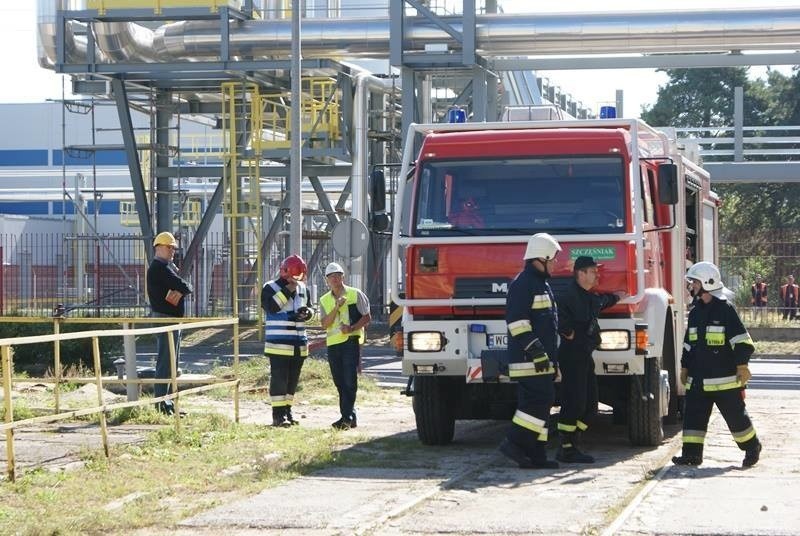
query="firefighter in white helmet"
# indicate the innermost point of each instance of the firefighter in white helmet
(532, 348)
(716, 350)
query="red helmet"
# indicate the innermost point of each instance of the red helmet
(294, 268)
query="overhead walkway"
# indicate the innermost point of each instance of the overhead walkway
(745, 154)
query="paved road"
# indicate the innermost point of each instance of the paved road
(468, 488)
(775, 373)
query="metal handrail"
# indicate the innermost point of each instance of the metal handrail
(6, 354)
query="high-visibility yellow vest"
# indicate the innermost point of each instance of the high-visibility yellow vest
(334, 333)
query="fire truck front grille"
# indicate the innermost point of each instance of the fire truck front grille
(481, 287)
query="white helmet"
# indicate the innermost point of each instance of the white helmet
(708, 275)
(542, 246)
(333, 268)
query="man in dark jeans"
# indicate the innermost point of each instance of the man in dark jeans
(166, 291)
(344, 313)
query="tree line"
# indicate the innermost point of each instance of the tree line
(752, 216)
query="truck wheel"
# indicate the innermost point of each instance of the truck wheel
(644, 416)
(433, 410)
(669, 359)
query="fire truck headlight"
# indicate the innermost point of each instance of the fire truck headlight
(425, 341)
(615, 339)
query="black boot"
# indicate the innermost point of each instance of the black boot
(568, 451)
(538, 456)
(514, 452)
(573, 455)
(752, 455)
(692, 454)
(687, 460)
(290, 417)
(279, 418)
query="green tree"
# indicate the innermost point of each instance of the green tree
(750, 214)
(700, 97)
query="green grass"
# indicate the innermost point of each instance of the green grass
(394, 452)
(166, 478)
(21, 410)
(316, 384)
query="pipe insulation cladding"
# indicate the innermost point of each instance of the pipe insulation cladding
(497, 35)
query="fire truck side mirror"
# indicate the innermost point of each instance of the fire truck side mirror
(668, 183)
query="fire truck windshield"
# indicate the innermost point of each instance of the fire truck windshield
(567, 195)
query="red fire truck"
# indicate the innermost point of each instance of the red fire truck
(615, 189)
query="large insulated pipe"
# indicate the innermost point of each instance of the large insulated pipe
(125, 41)
(501, 34)
(74, 46)
(364, 84)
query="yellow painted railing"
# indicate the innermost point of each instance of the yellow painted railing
(319, 117)
(158, 5)
(188, 215)
(173, 324)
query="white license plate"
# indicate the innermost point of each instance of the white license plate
(497, 340)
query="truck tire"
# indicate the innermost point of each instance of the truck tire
(644, 416)
(669, 359)
(433, 409)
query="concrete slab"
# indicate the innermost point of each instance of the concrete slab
(721, 498)
(342, 498)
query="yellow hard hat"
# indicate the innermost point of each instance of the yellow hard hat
(165, 239)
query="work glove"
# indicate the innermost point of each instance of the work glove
(684, 376)
(743, 374)
(536, 353)
(542, 364)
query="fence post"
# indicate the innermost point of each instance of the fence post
(98, 374)
(236, 372)
(6, 356)
(59, 312)
(129, 343)
(738, 124)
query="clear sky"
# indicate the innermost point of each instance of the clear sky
(25, 81)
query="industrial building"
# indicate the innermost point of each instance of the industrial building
(190, 120)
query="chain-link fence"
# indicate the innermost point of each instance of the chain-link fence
(774, 255)
(106, 275)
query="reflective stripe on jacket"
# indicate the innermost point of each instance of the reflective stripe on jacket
(282, 334)
(531, 314)
(716, 342)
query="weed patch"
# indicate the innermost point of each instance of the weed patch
(164, 479)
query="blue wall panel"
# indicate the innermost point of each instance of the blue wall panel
(23, 157)
(106, 207)
(102, 158)
(24, 208)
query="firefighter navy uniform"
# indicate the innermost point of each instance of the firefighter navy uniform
(578, 310)
(715, 343)
(531, 316)
(285, 343)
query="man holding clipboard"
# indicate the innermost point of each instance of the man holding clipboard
(166, 291)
